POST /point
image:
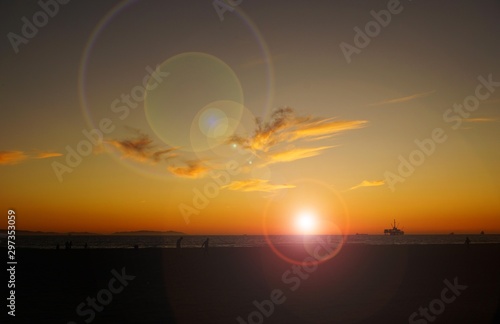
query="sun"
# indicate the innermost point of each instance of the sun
(306, 222)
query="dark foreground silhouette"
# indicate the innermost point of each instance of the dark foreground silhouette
(362, 284)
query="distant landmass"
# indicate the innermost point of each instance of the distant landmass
(22, 232)
(149, 233)
(3, 232)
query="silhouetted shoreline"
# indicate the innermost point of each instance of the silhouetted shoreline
(363, 283)
(169, 241)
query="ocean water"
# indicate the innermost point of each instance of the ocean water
(195, 241)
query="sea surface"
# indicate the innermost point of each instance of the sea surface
(195, 241)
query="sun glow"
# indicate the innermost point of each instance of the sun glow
(306, 222)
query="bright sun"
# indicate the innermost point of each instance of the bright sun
(306, 222)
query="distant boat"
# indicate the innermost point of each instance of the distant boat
(394, 230)
(482, 232)
(361, 234)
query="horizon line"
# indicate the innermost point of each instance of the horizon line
(238, 234)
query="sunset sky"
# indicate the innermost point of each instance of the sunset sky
(242, 121)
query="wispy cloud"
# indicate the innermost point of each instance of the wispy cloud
(12, 157)
(256, 185)
(403, 99)
(16, 157)
(316, 129)
(165, 154)
(193, 169)
(269, 140)
(295, 154)
(141, 148)
(45, 155)
(368, 183)
(480, 120)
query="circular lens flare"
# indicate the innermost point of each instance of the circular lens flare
(196, 104)
(323, 228)
(213, 123)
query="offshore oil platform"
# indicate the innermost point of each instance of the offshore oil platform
(394, 230)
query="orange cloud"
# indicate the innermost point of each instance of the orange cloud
(45, 155)
(296, 154)
(193, 169)
(255, 185)
(319, 129)
(479, 120)
(368, 183)
(12, 157)
(285, 128)
(15, 157)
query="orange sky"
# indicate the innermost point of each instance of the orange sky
(238, 126)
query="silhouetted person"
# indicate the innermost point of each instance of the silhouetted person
(178, 244)
(85, 246)
(205, 245)
(136, 246)
(57, 246)
(467, 241)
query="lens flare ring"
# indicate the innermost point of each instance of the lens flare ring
(111, 16)
(330, 244)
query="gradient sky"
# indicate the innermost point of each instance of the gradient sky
(265, 101)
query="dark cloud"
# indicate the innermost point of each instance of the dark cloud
(141, 148)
